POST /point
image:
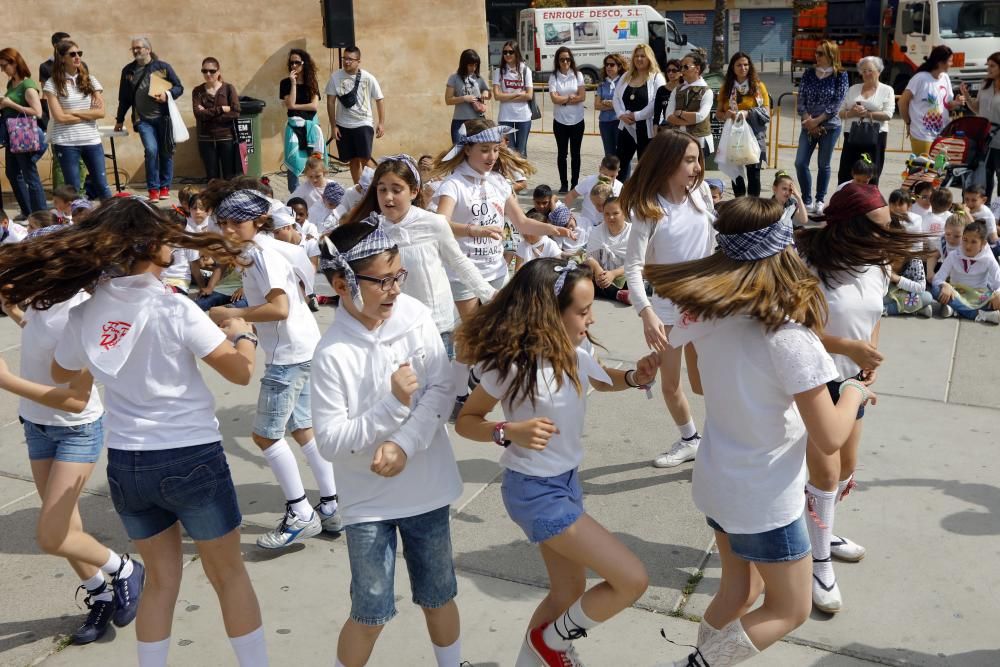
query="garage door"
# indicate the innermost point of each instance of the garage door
(697, 25)
(766, 33)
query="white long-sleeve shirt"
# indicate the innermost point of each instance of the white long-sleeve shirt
(646, 113)
(426, 245)
(979, 272)
(354, 411)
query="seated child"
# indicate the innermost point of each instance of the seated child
(599, 194)
(333, 194)
(80, 209)
(353, 195)
(922, 192)
(950, 242)
(10, 232)
(606, 173)
(907, 280)
(198, 214)
(862, 172)
(184, 196)
(62, 202)
(182, 267)
(301, 209)
(786, 193)
(941, 202)
(900, 204)
(545, 201)
(532, 247)
(312, 187)
(968, 280)
(606, 253)
(576, 248)
(717, 188)
(974, 198)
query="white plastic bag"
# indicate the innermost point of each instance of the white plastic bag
(721, 155)
(176, 122)
(742, 148)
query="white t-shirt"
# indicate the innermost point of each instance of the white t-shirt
(565, 406)
(159, 399)
(309, 229)
(179, 272)
(566, 84)
(986, 215)
(929, 106)
(933, 223)
(751, 469)
(84, 133)
(855, 308)
(580, 242)
(608, 250)
(15, 233)
(42, 331)
(288, 341)
(545, 247)
(369, 91)
(352, 197)
(479, 200)
(583, 189)
(313, 197)
(513, 82)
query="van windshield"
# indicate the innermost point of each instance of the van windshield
(969, 18)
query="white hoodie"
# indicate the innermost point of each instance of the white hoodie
(979, 272)
(354, 411)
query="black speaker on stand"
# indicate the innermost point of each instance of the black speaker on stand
(338, 23)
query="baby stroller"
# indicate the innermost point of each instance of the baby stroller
(964, 142)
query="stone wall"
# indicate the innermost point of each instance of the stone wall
(411, 46)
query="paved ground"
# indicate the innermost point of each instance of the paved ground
(928, 509)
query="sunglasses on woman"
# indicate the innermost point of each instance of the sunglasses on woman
(75, 54)
(209, 71)
(508, 52)
(672, 70)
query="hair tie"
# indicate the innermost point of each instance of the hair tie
(564, 271)
(866, 157)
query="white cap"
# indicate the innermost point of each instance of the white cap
(282, 216)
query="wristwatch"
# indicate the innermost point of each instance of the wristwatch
(252, 337)
(499, 436)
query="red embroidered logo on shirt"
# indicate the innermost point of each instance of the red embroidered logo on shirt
(688, 319)
(967, 264)
(112, 333)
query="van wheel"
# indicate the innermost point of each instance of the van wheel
(590, 76)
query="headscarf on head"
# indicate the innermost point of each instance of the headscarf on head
(243, 205)
(333, 193)
(282, 216)
(759, 243)
(373, 244)
(81, 204)
(409, 162)
(851, 201)
(560, 216)
(491, 135)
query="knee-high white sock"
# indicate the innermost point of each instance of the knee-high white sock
(153, 654)
(323, 472)
(251, 648)
(572, 624)
(279, 456)
(460, 378)
(448, 656)
(821, 506)
(844, 487)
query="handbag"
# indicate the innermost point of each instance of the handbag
(23, 134)
(863, 134)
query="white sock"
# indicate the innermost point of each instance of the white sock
(460, 378)
(448, 656)
(251, 648)
(821, 506)
(323, 472)
(153, 654)
(115, 562)
(842, 486)
(688, 430)
(94, 583)
(561, 632)
(279, 456)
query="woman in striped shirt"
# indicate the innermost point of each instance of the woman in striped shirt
(76, 104)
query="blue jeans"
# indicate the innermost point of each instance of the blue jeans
(925, 299)
(22, 173)
(958, 305)
(519, 140)
(81, 443)
(93, 157)
(284, 400)
(214, 299)
(609, 136)
(371, 549)
(807, 145)
(159, 163)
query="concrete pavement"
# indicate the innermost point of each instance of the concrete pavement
(927, 508)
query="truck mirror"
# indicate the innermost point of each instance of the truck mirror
(684, 40)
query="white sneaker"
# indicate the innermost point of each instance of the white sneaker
(818, 208)
(331, 522)
(826, 598)
(842, 548)
(947, 311)
(926, 311)
(682, 451)
(988, 316)
(290, 529)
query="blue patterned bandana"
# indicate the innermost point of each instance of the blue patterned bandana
(491, 135)
(408, 161)
(760, 243)
(243, 205)
(333, 193)
(373, 244)
(564, 271)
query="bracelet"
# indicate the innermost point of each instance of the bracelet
(499, 437)
(627, 381)
(252, 337)
(851, 382)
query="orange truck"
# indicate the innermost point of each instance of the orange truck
(902, 33)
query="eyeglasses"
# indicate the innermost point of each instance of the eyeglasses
(385, 284)
(348, 59)
(137, 48)
(611, 64)
(294, 63)
(672, 70)
(565, 60)
(687, 66)
(507, 52)
(75, 54)
(209, 71)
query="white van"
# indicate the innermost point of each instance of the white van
(594, 32)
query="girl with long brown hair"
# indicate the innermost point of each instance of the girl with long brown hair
(754, 312)
(532, 343)
(22, 98)
(299, 92)
(671, 211)
(165, 458)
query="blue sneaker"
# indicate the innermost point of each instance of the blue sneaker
(127, 591)
(97, 620)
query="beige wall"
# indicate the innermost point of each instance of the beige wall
(411, 46)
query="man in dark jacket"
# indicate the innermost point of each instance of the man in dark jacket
(150, 114)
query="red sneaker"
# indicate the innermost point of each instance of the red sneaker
(154, 195)
(164, 193)
(624, 297)
(548, 655)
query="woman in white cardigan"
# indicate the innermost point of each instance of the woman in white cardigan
(633, 104)
(870, 100)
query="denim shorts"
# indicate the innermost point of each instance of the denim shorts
(834, 388)
(542, 506)
(284, 400)
(790, 542)
(73, 444)
(460, 292)
(153, 490)
(371, 549)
